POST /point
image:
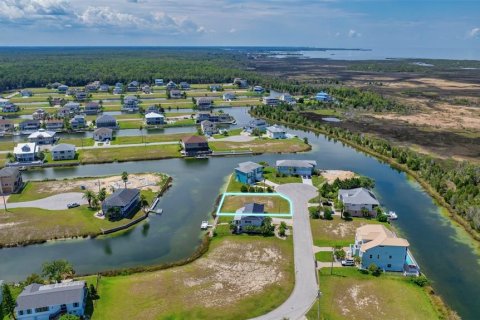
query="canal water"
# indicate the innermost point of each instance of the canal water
(443, 250)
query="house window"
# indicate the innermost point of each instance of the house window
(75, 305)
(20, 312)
(378, 256)
(42, 309)
(389, 257)
(370, 256)
(389, 265)
(29, 311)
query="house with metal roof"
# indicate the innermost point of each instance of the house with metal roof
(78, 122)
(249, 172)
(229, 96)
(296, 167)
(43, 136)
(323, 96)
(159, 82)
(106, 121)
(175, 94)
(122, 203)
(256, 124)
(355, 200)
(103, 134)
(374, 243)
(251, 215)
(26, 93)
(10, 181)
(276, 132)
(63, 151)
(62, 88)
(45, 302)
(54, 125)
(29, 125)
(26, 152)
(208, 128)
(171, 85)
(154, 118)
(92, 108)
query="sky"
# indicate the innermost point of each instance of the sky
(395, 24)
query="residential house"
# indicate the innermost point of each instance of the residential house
(208, 128)
(276, 132)
(70, 109)
(152, 109)
(6, 125)
(3, 102)
(204, 103)
(26, 152)
(153, 118)
(159, 82)
(54, 125)
(39, 114)
(146, 89)
(78, 122)
(62, 88)
(195, 145)
(184, 85)
(355, 200)
(258, 89)
(241, 83)
(10, 180)
(58, 101)
(92, 108)
(103, 134)
(71, 92)
(106, 121)
(176, 94)
(117, 90)
(26, 93)
(249, 172)
(119, 85)
(229, 96)
(9, 107)
(270, 101)
(29, 125)
(252, 215)
(91, 87)
(374, 243)
(45, 302)
(130, 104)
(63, 151)
(323, 96)
(125, 201)
(55, 85)
(288, 99)
(132, 86)
(81, 96)
(215, 87)
(104, 88)
(256, 124)
(296, 167)
(43, 137)
(212, 117)
(171, 85)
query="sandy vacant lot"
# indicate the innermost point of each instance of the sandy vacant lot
(332, 175)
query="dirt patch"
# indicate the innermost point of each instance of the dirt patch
(332, 175)
(356, 300)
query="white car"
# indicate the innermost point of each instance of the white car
(348, 263)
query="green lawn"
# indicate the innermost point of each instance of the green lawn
(317, 181)
(136, 124)
(337, 232)
(182, 123)
(234, 132)
(233, 185)
(270, 173)
(79, 142)
(149, 138)
(349, 294)
(273, 203)
(239, 278)
(262, 146)
(324, 256)
(129, 154)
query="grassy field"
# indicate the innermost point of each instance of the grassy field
(239, 278)
(262, 145)
(233, 185)
(129, 154)
(270, 174)
(234, 132)
(29, 225)
(273, 203)
(337, 232)
(324, 256)
(135, 124)
(349, 294)
(79, 142)
(149, 138)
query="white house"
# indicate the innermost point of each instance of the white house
(296, 167)
(208, 128)
(102, 134)
(153, 118)
(276, 132)
(45, 302)
(42, 137)
(287, 98)
(63, 151)
(252, 215)
(374, 243)
(228, 96)
(270, 101)
(26, 152)
(355, 200)
(175, 94)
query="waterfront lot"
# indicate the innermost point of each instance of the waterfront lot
(141, 152)
(262, 145)
(273, 203)
(349, 294)
(239, 278)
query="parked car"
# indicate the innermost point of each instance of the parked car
(348, 262)
(73, 205)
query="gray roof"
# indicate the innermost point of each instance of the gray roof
(106, 118)
(9, 171)
(358, 196)
(37, 295)
(275, 128)
(63, 147)
(121, 197)
(247, 167)
(296, 163)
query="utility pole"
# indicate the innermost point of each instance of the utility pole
(333, 257)
(3, 195)
(319, 294)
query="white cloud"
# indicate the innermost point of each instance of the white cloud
(474, 33)
(354, 34)
(105, 16)
(33, 10)
(233, 30)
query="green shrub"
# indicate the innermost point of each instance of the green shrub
(314, 212)
(420, 281)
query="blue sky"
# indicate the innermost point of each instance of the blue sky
(323, 23)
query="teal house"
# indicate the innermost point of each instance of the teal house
(249, 172)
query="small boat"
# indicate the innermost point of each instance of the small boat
(392, 215)
(22, 168)
(204, 225)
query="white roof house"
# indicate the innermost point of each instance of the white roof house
(25, 148)
(42, 134)
(296, 163)
(154, 115)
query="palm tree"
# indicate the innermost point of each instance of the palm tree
(125, 178)
(102, 194)
(143, 200)
(89, 195)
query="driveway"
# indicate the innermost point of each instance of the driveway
(306, 286)
(56, 202)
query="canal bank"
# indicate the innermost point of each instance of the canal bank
(438, 245)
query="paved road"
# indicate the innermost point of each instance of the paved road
(56, 202)
(306, 286)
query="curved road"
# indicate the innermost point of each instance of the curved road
(306, 286)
